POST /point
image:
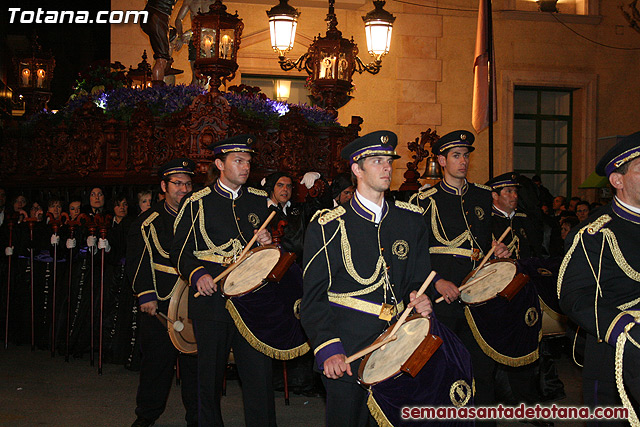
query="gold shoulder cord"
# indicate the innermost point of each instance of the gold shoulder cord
(147, 246)
(619, 257)
(348, 262)
(133, 282)
(620, 343)
(193, 221)
(435, 221)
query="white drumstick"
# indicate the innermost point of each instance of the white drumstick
(243, 253)
(177, 325)
(392, 335)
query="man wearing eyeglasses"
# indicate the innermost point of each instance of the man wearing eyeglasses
(154, 279)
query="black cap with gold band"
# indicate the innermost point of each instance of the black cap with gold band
(457, 138)
(235, 144)
(378, 143)
(626, 150)
(509, 179)
(181, 165)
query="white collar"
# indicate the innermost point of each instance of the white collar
(234, 193)
(628, 206)
(270, 203)
(506, 215)
(373, 207)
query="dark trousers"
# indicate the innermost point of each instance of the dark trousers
(156, 373)
(346, 404)
(601, 393)
(215, 339)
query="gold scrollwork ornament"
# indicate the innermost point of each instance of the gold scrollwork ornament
(460, 393)
(400, 249)
(531, 316)
(254, 219)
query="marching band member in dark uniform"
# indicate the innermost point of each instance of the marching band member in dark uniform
(519, 383)
(599, 279)
(459, 215)
(212, 227)
(504, 213)
(373, 249)
(154, 278)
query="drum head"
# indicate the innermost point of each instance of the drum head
(250, 273)
(497, 276)
(385, 363)
(185, 340)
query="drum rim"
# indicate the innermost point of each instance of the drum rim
(247, 256)
(490, 262)
(383, 336)
(180, 343)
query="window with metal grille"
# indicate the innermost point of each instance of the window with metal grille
(542, 133)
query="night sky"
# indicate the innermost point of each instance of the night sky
(74, 46)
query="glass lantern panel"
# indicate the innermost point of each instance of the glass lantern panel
(25, 75)
(283, 33)
(328, 65)
(343, 68)
(226, 44)
(207, 43)
(41, 77)
(378, 35)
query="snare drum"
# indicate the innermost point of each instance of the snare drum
(427, 365)
(544, 275)
(503, 312)
(185, 340)
(267, 313)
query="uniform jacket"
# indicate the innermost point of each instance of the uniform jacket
(606, 247)
(211, 229)
(352, 263)
(517, 241)
(152, 275)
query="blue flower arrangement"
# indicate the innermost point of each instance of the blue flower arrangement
(120, 103)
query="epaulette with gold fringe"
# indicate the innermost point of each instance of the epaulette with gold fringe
(200, 194)
(257, 192)
(318, 213)
(409, 207)
(484, 187)
(331, 215)
(150, 219)
(430, 192)
(596, 225)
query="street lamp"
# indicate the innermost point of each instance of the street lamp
(331, 60)
(216, 36)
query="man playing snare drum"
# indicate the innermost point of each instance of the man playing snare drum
(363, 263)
(212, 227)
(154, 280)
(459, 215)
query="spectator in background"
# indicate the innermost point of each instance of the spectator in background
(566, 224)
(558, 205)
(573, 203)
(543, 192)
(75, 207)
(582, 210)
(144, 200)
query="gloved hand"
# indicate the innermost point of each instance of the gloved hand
(91, 241)
(71, 243)
(8, 251)
(104, 244)
(55, 239)
(309, 179)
